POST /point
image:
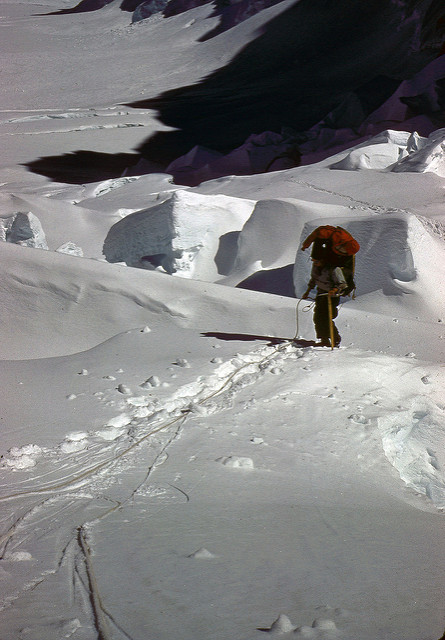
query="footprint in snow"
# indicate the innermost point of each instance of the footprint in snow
(182, 362)
(237, 462)
(111, 433)
(281, 625)
(19, 556)
(25, 457)
(152, 381)
(276, 371)
(358, 418)
(322, 628)
(73, 446)
(202, 554)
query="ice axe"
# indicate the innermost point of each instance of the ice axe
(331, 323)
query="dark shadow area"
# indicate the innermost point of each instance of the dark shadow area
(317, 61)
(83, 166)
(86, 6)
(276, 281)
(130, 5)
(230, 14)
(83, 7)
(248, 337)
(300, 69)
(226, 252)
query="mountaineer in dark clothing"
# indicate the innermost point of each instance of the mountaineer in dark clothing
(330, 283)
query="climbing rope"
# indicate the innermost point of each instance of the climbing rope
(164, 425)
(306, 309)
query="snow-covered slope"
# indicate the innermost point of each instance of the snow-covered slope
(173, 465)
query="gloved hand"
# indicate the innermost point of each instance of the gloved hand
(306, 294)
(349, 289)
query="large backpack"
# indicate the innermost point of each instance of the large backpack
(335, 246)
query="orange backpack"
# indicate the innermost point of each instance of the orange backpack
(335, 246)
(335, 240)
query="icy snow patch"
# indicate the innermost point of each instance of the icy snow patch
(76, 436)
(110, 433)
(19, 556)
(75, 441)
(24, 457)
(321, 628)
(398, 151)
(120, 420)
(72, 446)
(429, 158)
(413, 443)
(71, 249)
(114, 183)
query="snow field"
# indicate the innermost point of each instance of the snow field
(356, 445)
(370, 428)
(251, 419)
(405, 430)
(165, 472)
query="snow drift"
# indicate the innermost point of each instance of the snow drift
(398, 151)
(189, 235)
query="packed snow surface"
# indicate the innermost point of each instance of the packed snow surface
(179, 461)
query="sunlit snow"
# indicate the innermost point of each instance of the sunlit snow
(178, 460)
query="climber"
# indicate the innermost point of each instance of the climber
(331, 284)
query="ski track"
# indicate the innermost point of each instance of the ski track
(54, 114)
(59, 119)
(124, 125)
(149, 425)
(435, 227)
(357, 204)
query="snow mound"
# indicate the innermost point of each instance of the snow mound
(412, 441)
(82, 302)
(190, 235)
(269, 241)
(27, 231)
(282, 625)
(202, 554)
(398, 151)
(67, 226)
(429, 157)
(324, 624)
